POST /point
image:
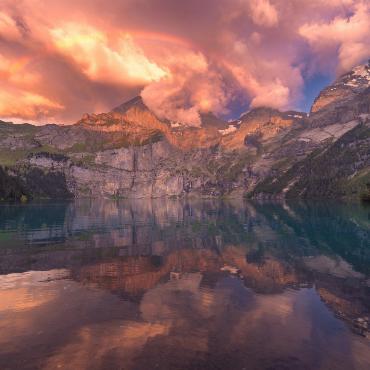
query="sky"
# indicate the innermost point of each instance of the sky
(62, 58)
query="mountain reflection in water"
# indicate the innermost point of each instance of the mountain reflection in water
(172, 284)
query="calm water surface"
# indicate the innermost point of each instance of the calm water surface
(168, 284)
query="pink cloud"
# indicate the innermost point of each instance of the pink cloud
(65, 58)
(263, 13)
(346, 36)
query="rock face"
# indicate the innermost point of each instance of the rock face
(153, 170)
(261, 124)
(345, 88)
(131, 153)
(344, 100)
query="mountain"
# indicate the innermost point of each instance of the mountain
(339, 123)
(130, 152)
(261, 124)
(345, 89)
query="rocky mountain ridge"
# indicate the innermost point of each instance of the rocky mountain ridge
(130, 153)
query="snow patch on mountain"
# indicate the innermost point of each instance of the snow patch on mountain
(228, 130)
(358, 77)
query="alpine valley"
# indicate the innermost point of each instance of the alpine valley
(130, 153)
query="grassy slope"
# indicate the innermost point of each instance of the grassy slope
(343, 169)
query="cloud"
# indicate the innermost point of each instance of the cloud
(27, 105)
(348, 37)
(89, 48)
(264, 13)
(17, 100)
(60, 59)
(13, 27)
(193, 87)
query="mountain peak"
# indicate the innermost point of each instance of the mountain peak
(358, 77)
(210, 120)
(136, 102)
(270, 114)
(344, 88)
(259, 111)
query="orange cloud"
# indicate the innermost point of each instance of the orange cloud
(8, 28)
(64, 58)
(27, 105)
(17, 96)
(15, 72)
(90, 49)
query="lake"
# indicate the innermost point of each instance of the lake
(175, 284)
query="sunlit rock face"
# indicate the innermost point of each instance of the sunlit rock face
(140, 125)
(261, 124)
(134, 117)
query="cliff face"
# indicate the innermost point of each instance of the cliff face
(152, 170)
(129, 152)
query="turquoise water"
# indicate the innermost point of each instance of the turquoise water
(168, 284)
